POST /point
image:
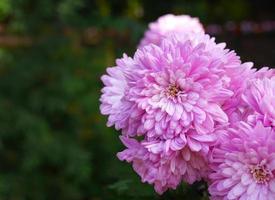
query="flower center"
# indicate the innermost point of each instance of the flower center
(261, 173)
(173, 90)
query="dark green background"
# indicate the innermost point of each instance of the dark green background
(54, 144)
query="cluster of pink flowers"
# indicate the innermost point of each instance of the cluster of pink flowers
(190, 110)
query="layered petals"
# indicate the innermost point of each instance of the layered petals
(243, 164)
(164, 169)
(260, 97)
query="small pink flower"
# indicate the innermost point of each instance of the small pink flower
(168, 24)
(243, 164)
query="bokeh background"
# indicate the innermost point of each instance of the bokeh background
(54, 144)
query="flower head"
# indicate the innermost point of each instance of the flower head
(181, 85)
(243, 164)
(168, 24)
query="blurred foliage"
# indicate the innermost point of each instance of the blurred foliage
(53, 141)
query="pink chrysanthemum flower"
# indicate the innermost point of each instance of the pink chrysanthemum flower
(163, 169)
(173, 95)
(168, 24)
(181, 85)
(166, 90)
(244, 164)
(260, 96)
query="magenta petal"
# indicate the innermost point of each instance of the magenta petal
(194, 145)
(217, 113)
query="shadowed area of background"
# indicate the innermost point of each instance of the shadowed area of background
(54, 143)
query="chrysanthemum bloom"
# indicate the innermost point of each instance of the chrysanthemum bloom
(244, 164)
(260, 96)
(173, 94)
(163, 169)
(168, 24)
(181, 85)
